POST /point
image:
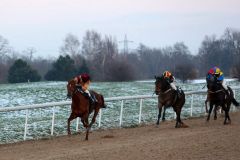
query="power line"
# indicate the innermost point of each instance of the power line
(125, 44)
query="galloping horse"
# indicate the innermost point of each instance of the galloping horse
(216, 108)
(217, 97)
(81, 106)
(168, 97)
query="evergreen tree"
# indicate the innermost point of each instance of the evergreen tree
(20, 71)
(63, 69)
(83, 68)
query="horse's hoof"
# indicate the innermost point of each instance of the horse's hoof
(215, 118)
(226, 123)
(184, 125)
(157, 123)
(163, 120)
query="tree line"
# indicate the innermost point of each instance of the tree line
(100, 57)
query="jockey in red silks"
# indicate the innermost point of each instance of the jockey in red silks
(218, 74)
(83, 82)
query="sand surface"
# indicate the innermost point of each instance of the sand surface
(210, 141)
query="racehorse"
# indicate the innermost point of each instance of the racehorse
(81, 106)
(168, 97)
(216, 108)
(217, 96)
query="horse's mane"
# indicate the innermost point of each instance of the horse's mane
(71, 81)
(213, 84)
(161, 79)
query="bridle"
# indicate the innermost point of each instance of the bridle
(217, 91)
(70, 89)
(159, 92)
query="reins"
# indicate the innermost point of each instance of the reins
(165, 91)
(211, 92)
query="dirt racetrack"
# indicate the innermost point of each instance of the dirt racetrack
(210, 141)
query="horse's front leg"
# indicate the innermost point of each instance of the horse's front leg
(71, 117)
(94, 117)
(159, 111)
(210, 111)
(164, 111)
(178, 119)
(92, 122)
(215, 112)
(85, 124)
(226, 108)
(206, 106)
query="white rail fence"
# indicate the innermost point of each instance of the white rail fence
(122, 99)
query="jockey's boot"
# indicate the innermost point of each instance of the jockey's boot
(93, 99)
(79, 87)
(227, 92)
(178, 92)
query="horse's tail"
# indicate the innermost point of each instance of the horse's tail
(102, 98)
(233, 100)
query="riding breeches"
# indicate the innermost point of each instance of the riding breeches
(87, 91)
(224, 85)
(173, 86)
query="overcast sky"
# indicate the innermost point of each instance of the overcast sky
(43, 24)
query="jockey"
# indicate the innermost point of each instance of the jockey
(170, 79)
(218, 74)
(83, 82)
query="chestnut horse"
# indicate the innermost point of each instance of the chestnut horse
(168, 97)
(81, 106)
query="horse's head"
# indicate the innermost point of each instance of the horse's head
(212, 83)
(159, 84)
(71, 87)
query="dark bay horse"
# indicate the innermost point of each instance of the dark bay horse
(217, 96)
(216, 108)
(168, 97)
(81, 106)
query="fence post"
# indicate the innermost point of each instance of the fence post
(26, 122)
(100, 118)
(77, 123)
(191, 112)
(53, 119)
(120, 123)
(174, 114)
(234, 95)
(140, 111)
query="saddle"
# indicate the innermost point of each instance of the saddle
(92, 98)
(179, 93)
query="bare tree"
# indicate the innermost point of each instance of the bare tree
(186, 71)
(91, 44)
(71, 46)
(4, 48)
(29, 52)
